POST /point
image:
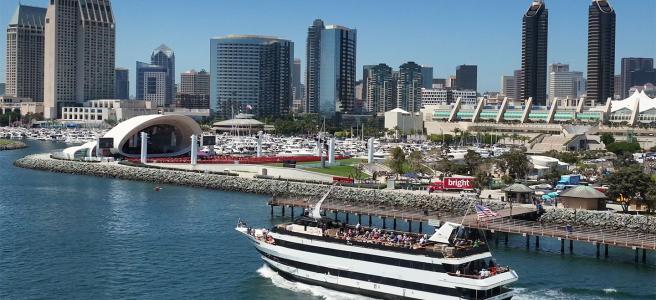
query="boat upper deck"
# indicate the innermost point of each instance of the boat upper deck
(388, 240)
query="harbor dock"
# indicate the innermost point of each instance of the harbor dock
(517, 221)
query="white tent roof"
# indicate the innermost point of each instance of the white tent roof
(644, 102)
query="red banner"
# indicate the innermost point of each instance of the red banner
(458, 183)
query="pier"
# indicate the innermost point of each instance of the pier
(517, 221)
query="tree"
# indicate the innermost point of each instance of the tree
(514, 163)
(472, 160)
(566, 157)
(607, 138)
(623, 147)
(482, 177)
(628, 183)
(416, 161)
(397, 161)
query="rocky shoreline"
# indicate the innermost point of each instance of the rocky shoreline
(452, 205)
(247, 185)
(11, 145)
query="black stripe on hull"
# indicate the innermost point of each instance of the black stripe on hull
(433, 289)
(337, 287)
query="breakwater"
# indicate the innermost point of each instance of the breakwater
(386, 198)
(247, 185)
(11, 145)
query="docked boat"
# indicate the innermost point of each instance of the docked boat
(453, 263)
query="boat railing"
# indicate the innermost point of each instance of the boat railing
(428, 248)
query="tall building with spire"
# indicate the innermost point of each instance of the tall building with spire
(601, 51)
(80, 42)
(165, 57)
(535, 24)
(24, 69)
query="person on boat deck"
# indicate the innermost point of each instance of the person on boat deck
(357, 227)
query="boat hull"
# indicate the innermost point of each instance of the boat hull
(296, 266)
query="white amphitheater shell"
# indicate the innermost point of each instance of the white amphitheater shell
(168, 135)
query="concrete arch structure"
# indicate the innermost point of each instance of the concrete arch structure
(168, 135)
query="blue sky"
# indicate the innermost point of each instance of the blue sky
(440, 33)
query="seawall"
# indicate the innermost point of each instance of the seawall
(453, 205)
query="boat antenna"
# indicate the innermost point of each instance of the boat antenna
(316, 211)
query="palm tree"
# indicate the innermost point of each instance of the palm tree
(455, 134)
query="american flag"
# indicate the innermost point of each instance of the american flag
(483, 211)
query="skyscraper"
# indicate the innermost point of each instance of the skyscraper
(313, 61)
(330, 72)
(165, 57)
(636, 71)
(601, 51)
(466, 77)
(79, 53)
(564, 83)
(408, 87)
(337, 70)
(152, 83)
(380, 89)
(251, 73)
(122, 84)
(535, 24)
(194, 90)
(365, 74)
(508, 84)
(195, 83)
(297, 87)
(427, 77)
(25, 35)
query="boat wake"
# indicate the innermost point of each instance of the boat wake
(298, 287)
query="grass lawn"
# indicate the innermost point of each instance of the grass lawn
(6, 142)
(343, 171)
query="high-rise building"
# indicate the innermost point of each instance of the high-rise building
(251, 73)
(194, 90)
(2, 88)
(519, 78)
(165, 57)
(25, 35)
(195, 83)
(408, 87)
(297, 87)
(152, 83)
(439, 83)
(337, 70)
(330, 72)
(508, 84)
(427, 77)
(451, 82)
(636, 71)
(121, 84)
(312, 69)
(601, 51)
(466, 77)
(365, 74)
(80, 42)
(535, 23)
(564, 83)
(380, 89)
